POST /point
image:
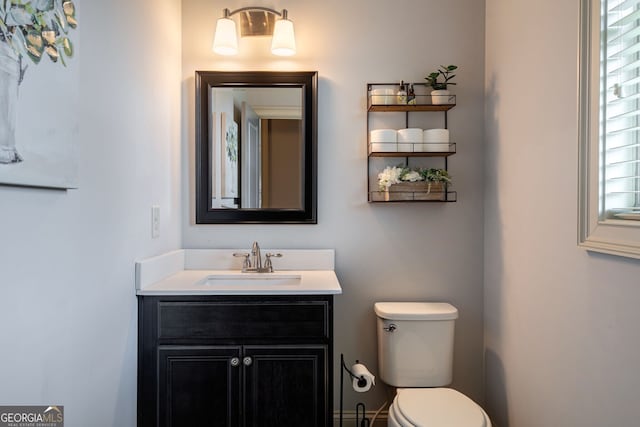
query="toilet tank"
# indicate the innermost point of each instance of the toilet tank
(415, 343)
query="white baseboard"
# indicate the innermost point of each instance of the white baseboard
(349, 418)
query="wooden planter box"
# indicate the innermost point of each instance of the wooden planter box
(419, 190)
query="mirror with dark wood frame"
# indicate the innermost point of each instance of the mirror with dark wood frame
(256, 147)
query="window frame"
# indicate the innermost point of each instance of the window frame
(595, 233)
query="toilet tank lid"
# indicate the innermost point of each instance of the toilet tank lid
(416, 310)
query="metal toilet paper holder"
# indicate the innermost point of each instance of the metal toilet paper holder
(364, 422)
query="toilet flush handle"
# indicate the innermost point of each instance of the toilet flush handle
(392, 327)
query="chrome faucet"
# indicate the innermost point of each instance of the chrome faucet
(253, 261)
(256, 258)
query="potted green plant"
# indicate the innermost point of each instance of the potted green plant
(440, 80)
(438, 179)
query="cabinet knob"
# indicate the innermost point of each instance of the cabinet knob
(247, 361)
(235, 362)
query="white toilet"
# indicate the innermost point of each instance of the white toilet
(415, 354)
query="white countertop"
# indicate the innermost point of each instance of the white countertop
(185, 272)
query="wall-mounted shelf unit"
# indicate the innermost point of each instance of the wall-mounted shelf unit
(382, 153)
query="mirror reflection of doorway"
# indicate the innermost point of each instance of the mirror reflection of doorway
(250, 158)
(282, 161)
(266, 170)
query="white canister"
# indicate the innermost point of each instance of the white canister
(409, 138)
(436, 140)
(383, 140)
(441, 97)
(436, 135)
(382, 96)
(383, 135)
(381, 147)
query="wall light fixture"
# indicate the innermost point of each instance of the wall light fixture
(255, 21)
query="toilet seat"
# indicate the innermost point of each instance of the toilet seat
(436, 407)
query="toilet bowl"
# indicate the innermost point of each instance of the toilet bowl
(435, 407)
(415, 354)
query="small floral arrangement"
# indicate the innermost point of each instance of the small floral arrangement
(436, 175)
(396, 174)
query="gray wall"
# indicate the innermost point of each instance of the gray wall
(398, 252)
(68, 326)
(561, 325)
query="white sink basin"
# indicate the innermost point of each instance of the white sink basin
(217, 272)
(252, 279)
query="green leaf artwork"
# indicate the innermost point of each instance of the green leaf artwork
(33, 28)
(29, 29)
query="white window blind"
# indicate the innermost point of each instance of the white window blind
(620, 108)
(609, 127)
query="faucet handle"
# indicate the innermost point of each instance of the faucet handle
(247, 262)
(276, 255)
(268, 264)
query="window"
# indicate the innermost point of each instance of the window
(609, 218)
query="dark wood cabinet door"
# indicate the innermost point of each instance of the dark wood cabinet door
(186, 377)
(286, 386)
(199, 386)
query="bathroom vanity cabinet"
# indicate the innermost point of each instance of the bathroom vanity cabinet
(225, 360)
(404, 152)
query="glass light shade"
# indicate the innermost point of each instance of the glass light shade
(225, 41)
(284, 40)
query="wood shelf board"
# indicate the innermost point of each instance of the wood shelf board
(411, 201)
(452, 196)
(412, 154)
(405, 108)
